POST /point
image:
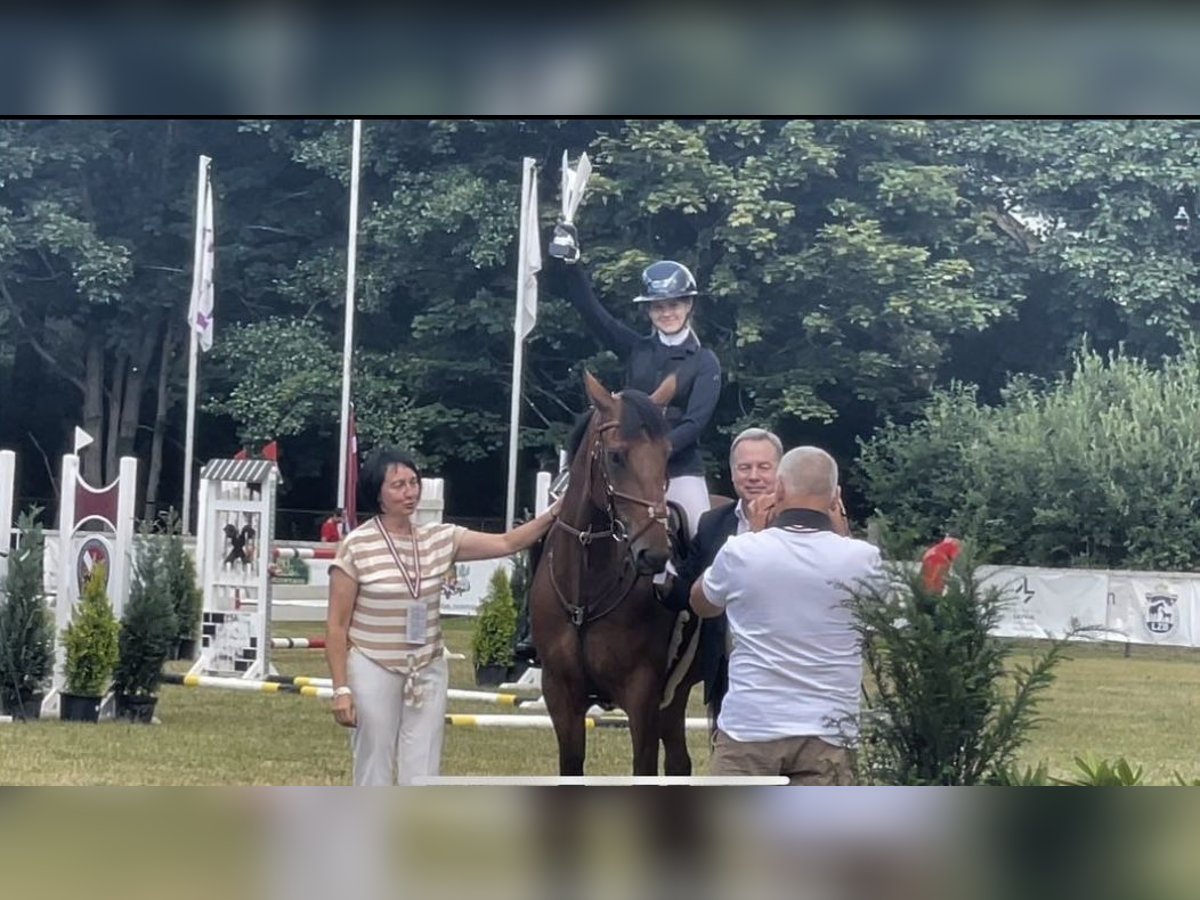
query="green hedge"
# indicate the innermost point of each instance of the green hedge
(1099, 469)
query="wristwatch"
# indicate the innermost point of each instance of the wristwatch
(343, 691)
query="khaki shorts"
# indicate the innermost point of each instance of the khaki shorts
(804, 760)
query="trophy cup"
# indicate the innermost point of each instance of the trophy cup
(565, 244)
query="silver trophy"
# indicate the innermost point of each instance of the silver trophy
(565, 244)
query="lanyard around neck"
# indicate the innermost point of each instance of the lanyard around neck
(414, 587)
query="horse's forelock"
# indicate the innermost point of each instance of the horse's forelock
(640, 416)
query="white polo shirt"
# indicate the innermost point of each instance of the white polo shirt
(795, 669)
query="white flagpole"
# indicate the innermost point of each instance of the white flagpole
(518, 348)
(193, 347)
(348, 343)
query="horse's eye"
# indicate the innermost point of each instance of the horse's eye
(616, 458)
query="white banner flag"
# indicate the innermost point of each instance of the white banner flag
(531, 253)
(82, 439)
(200, 314)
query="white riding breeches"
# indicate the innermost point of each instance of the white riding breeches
(691, 493)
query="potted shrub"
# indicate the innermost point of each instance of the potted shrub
(148, 635)
(91, 650)
(26, 626)
(495, 632)
(186, 597)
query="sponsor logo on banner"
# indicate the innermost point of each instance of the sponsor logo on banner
(289, 571)
(1160, 615)
(1026, 591)
(93, 552)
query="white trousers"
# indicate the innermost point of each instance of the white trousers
(394, 743)
(690, 492)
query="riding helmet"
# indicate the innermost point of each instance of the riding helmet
(666, 280)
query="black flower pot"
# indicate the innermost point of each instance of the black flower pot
(77, 708)
(29, 706)
(490, 676)
(138, 709)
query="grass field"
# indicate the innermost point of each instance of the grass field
(1145, 708)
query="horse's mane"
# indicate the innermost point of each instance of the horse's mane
(639, 416)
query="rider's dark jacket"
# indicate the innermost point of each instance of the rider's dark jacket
(647, 362)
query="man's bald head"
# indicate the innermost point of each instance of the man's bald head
(809, 473)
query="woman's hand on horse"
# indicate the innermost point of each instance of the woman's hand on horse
(344, 712)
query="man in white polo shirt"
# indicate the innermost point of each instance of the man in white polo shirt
(795, 671)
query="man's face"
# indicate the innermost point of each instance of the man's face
(754, 464)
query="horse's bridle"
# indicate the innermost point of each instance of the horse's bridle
(616, 527)
(616, 530)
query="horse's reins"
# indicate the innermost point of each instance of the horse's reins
(616, 530)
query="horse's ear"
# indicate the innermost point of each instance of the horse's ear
(664, 392)
(598, 393)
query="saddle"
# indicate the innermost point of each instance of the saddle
(678, 533)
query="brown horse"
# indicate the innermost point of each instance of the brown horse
(600, 632)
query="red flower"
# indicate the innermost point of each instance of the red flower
(935, 564)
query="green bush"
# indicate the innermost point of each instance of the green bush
(495, 624)
(1097, 469)
(91, 640)
(26, 626)
(936, 709)
(179, 573)
(149, 630)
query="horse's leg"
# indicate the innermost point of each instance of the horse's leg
(673, 729)
(642, 693)
(566, 702)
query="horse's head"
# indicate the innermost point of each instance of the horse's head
(629, 451)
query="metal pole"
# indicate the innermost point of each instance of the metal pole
(348, 343)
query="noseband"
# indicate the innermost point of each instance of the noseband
(617, 530)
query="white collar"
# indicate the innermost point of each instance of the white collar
(739, 513)
(674, 340)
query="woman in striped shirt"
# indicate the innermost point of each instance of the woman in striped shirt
(383, 635)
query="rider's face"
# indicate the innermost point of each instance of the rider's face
(670, 316)
(754, 465)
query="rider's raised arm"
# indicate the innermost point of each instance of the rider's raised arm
(617, 336)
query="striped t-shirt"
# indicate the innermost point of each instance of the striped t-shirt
(379, 623)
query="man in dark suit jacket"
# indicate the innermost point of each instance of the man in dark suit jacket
(753, 458)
